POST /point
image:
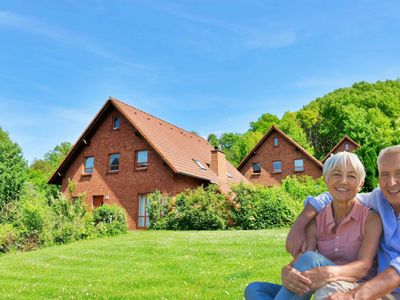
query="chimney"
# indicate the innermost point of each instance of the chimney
(218, 163)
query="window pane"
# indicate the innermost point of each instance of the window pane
(89, 164)
(299, 165)
(116, 123)
(114, 162)
(276, 141)
(142, 158)
(277, 166)
(143, 218)
(256, 167)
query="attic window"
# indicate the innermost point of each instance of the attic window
(142, 159)
(89, 165)
(276, 142)
(199, 164)
(346, 147)
(256, 167)
(115, 123)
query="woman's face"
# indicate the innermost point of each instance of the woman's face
(343, 183)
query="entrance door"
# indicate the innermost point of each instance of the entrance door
(98, 201)
(143, 220)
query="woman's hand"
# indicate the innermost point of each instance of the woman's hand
(320, 276)
(294, 281)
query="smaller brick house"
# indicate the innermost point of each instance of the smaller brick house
(277, 156)
(345, 144)
(125, 154)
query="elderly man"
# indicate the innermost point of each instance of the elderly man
(385, 201)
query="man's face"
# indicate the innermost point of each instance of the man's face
(389, 179)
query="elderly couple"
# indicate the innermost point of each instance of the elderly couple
(335, 238)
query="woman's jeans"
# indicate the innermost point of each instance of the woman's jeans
(266, 290)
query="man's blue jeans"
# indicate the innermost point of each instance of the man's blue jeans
(266, 290)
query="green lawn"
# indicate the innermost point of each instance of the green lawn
(147, 265)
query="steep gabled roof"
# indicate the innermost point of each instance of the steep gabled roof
(346, 137)
(177, 147)
(287, 138)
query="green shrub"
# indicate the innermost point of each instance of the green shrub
(109, 220)
(8, 236)
(300, 187)
(199, 209)
(259, 207)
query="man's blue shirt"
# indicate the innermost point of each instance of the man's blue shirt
(389, 245)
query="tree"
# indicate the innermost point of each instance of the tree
(213, 140)
(13, 170)
(264, 123)
(41, 169)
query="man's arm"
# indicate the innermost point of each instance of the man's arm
(375, 288)
(296, 239)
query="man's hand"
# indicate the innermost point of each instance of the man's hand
(341, 296)
(296, 241)
(319, 276)
(294, 281)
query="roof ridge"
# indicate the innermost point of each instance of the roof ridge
(179, 128)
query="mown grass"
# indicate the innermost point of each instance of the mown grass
(147, 265)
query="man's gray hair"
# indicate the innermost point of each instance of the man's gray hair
(387, 150)
(343, 159)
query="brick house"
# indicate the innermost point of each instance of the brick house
(345, 144)
(125, 154)
(276, 156)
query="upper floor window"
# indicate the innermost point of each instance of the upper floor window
(203, 168)
(115, 123)
(299, 165)
(113, 162)
(276, 142)
(277, 166)
(142, 159)
(89, 165)
(256, 167)
(346, 147)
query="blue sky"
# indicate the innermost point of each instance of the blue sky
(208, 66)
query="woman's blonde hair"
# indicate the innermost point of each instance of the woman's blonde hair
(343, 159)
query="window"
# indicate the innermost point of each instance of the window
(89, 165)
(299, 165)
(115, 123)
(114, 163)
(276, 142)
(346, 147)
(277, 166)
(229, 175)
(256, 167)
(203, 168)
(142, 159)
(143, 217)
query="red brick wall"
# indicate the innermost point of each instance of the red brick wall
(284, 152)
(123, 188)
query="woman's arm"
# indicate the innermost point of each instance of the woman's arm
(357, 269)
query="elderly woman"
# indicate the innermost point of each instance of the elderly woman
(342, 242)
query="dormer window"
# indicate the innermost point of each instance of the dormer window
(115, 123)
(199, 164)
(276, 142)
